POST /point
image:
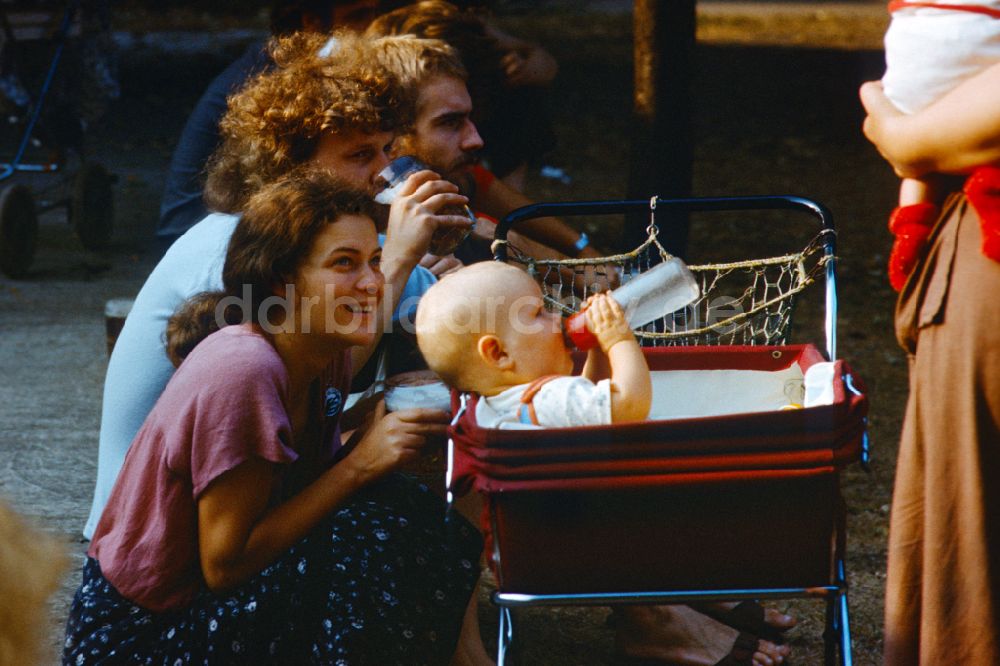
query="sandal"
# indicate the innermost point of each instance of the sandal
(741, 654)
(748, 616)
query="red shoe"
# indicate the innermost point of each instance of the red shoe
(912, 226)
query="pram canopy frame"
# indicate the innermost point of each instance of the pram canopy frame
(658, 205)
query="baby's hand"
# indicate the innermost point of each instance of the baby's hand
(606, 320)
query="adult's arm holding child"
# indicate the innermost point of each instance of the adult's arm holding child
(934, 141)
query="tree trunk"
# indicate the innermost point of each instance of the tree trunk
(662, 150)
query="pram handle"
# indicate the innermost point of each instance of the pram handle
(705, 204)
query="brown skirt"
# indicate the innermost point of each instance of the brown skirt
(943, 585)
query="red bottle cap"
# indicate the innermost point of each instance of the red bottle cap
(578, 333)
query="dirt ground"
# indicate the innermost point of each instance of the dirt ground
(779, 117)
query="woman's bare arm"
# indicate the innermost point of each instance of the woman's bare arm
(525, 63)
(957, 133)
(238, 535)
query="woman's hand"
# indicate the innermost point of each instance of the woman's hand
(239, 533)
(396, 439)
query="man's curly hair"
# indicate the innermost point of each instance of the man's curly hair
(462, 29)
(415, 58)
(274, 123)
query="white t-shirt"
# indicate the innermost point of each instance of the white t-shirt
(139, 368)
(929, 51)
(560, 403)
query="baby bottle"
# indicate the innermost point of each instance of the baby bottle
(444, 241)
(667, 287)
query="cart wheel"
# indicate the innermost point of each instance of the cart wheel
(91, 206)
(18, 230)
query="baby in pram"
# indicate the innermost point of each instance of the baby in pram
(485, 329)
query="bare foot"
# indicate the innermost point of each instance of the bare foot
(682, 636)
(774, 618)
(470, 650)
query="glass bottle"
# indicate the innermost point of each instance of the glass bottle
(394, 175)
(665, 288)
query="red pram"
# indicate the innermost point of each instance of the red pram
(651, 512)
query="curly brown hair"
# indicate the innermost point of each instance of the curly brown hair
(462, 29)
(274, 123)
(33, 563)
(415, 60)
(277, 230)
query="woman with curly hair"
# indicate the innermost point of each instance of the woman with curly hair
(335, 111)
(182, 205)
(240, 530)
(283, 118)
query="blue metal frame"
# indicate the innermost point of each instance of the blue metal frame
(10, 168)
(865, 443)
(837, 637)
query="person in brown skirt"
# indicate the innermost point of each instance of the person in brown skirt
(943, 587)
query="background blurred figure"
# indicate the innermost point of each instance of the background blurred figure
(31, 563)
(182, 205)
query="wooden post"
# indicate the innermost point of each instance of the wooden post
(662, 150)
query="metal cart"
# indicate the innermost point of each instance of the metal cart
(87, 192)
(646, 513)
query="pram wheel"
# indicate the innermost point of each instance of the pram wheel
(18, 230)
(91, 206)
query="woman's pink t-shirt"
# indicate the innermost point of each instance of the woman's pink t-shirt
(226, 404)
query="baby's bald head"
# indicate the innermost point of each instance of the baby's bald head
(462, 307)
